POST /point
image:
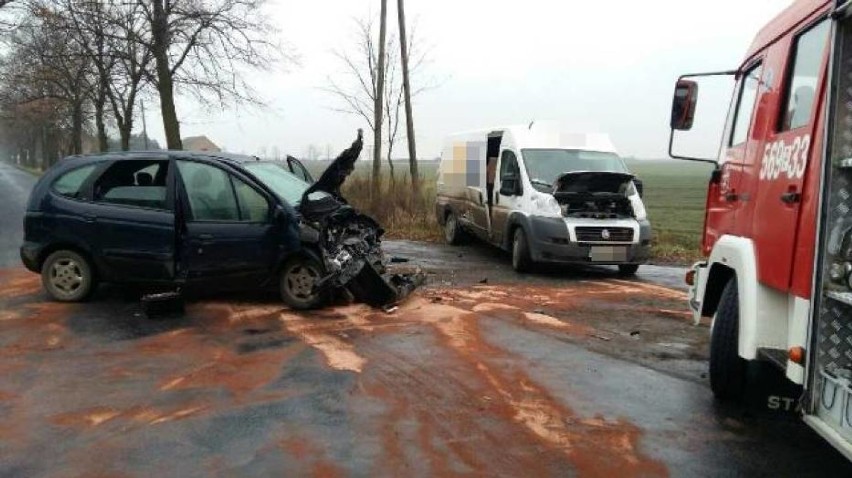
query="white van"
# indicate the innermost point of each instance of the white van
(544, 195)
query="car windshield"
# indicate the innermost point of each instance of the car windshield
(279, 180)
(545, 165)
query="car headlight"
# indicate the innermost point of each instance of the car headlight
(547, 205)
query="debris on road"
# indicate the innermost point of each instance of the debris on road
(163, 305)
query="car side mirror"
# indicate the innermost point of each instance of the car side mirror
(640, 187)
(280, 215)
(683, 105)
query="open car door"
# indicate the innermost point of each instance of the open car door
(299, 170)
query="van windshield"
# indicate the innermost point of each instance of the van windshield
(545, 165)
(279, 180)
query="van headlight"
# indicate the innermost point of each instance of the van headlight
(546, 205)
(638, 207)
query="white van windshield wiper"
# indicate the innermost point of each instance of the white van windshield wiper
(541, 183)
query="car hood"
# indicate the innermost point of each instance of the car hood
(336, 173)
(592, 182)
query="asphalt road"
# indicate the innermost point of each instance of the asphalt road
(15, 188)
(486, 373)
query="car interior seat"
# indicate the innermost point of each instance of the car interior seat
(144, 179)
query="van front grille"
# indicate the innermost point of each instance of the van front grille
(604, 234)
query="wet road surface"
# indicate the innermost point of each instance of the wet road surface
(15, 188)
(477, 263)
(561, 373)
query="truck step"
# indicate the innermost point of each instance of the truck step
(777, 357)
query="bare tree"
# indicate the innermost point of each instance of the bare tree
(313, 153)
(87, 25)
(131, 69)
(131, 72)
(43, 89)
(203, 46)
(406, 87)
(356, 89)
(379, 105)
(50, 60)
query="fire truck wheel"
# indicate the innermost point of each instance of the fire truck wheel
(727, 368)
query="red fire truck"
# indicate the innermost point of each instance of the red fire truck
(777, 279)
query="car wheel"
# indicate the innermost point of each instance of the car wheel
(627, 269)
(67, 276)
(298, 277)
(453, 233)
(521, 260)
(727, 368)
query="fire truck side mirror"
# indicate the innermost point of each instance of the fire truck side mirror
(683, 104)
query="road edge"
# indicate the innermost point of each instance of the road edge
(31, 172)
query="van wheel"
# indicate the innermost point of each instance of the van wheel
(453, 233)
(521, 260)
(628, 269)
(727, 368)
(298, 277)
(67, 276)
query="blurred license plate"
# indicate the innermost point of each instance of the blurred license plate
(608, 253)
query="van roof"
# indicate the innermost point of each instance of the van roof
(543, 134)
(785, 21)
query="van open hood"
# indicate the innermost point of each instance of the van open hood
(592, 182)
(594, 195)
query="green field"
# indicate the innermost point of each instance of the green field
(675, 194)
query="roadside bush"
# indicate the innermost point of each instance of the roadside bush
(402, 215)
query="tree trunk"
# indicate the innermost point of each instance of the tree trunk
(406, 86)
(390, 162)
(126, 131)
(379, 105)
(77, 127)
(165, 85)
(100, 101)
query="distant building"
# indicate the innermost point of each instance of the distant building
(200, 143)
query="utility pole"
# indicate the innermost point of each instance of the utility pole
(144, 125)
(379, 105)
(406, 86)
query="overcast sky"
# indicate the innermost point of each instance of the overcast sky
(595, 66)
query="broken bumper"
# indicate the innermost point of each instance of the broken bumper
(549, 242)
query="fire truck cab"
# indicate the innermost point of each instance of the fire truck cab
(777, 279)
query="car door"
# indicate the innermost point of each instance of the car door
(299, 170)
(133, 221)
(228, 234)
(509, 192)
